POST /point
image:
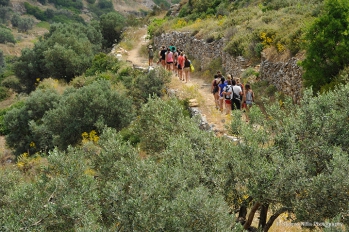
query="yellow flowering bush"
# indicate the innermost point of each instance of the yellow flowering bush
(90, 137)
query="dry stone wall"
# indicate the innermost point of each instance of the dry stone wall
(286, 76)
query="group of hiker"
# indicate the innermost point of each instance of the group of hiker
(231, 94)
(174, 60)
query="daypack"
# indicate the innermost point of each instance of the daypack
(227, 89)
(235, 96)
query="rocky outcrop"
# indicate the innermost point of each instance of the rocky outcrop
(174, 9)
(286, 76)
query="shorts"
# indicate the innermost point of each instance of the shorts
(227, 101)
(187, 68)
(169, 62)
(249, 103)
(179, 66)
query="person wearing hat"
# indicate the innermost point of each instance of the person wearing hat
(151, 55)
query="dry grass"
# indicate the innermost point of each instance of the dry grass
(6, 157)
(131, 37)
(24, 40)
(54, 84)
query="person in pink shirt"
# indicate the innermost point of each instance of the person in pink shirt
(180, 66)
(169, 59)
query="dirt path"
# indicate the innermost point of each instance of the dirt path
(196, 88)
(134, 54)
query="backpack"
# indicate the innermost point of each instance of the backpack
(227, 89)
(235, 96)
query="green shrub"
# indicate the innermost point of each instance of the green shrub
(6, 36)
(271, 90)
(149, 85)
(25, 24)
(19, 122)
(5, 14)
(15, 20)
(77, 5)
(154, 26)
(102, 63)
(13, 83)
(91, 107)
(35, 11)
(235, 46)
(249, 72)
(168, 122)
(4, 93)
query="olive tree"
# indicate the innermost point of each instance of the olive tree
(289, 161)
(91, 107)
(65, 52)
(18, 122)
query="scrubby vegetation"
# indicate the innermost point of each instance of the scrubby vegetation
(99, 146)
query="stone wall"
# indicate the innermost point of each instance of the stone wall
(286, 76)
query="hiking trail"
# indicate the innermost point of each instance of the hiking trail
(196, 88)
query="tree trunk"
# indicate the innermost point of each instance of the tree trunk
(243, 208)
(251, 215)
(273, 217)
(263, 216)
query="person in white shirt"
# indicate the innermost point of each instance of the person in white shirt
(236, 96)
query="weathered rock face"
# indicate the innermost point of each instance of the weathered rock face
(175, 8)
(286, 76)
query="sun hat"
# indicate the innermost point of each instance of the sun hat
(150, 46)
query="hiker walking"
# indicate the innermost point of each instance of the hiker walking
(150, 54)
(180, 65)
(227, 93)
(221, 86)
(186, 68)
(238, 83)
(175, 61)
(169, 59)
(163, 56)
(248, 99)
(215, 89)
(236, 98)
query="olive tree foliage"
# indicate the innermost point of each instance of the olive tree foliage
(6, 36)
(158, 121)
(5, 14)
(63, 197)
(103, 63)
(65, 52)
(17, 121)
(30, 66)
(89, 108)
(48, 119)
(327, 46)
(4, 2)
(175, 190)
(2, 61)
(25, 24)
(148, 85)
(297, 160)
(111, 26)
